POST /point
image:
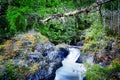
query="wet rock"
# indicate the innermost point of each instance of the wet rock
(63, 52)
(46, 72)
(50, 63)
(79, 60)
(84, 78)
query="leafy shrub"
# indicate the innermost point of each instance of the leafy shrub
(16, 18)
(59, 32)
(113, 3)
(96, 72)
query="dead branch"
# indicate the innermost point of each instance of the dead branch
(88, 9)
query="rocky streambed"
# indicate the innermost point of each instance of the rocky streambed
(31, 56)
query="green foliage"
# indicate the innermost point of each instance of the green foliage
(23, 3)
(17, 11)
(1, 75)
(63, 30)
(96, 72)
(83, 3)
(95, 32)
(51, 3)
(115, 65)
(113, 4)
(4, 27)
(10, 72)
(110, 32)
(60, 32)
(16, 18)
(19, 21)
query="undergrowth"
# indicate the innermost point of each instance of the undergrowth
(97, 72)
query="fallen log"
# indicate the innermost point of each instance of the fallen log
(88, 9)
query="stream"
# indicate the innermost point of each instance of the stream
(71, 70)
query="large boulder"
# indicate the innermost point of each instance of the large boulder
(31, 55)
(49, 64)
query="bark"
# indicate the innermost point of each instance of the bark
(88, 9)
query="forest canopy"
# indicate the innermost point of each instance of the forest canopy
(23, 15)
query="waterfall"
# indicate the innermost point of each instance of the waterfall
(70, 69)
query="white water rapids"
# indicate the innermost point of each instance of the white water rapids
(70, 69)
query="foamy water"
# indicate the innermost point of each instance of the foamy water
(70, 69)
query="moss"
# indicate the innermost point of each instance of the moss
(115, 63)
(12, 50)
(41, 38)
(33, 68)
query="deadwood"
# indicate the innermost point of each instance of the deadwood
(88, 9)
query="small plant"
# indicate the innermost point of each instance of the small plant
(9, 69)
(96, 72)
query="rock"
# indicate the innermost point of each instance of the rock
(84, 78)
(34, 49)
(105, 56)
(63, 52)
(5, 76)
(50, 63)
(104, 64)
(79, 60)
(80, 43)
(45, 48)
(26, 43)
(85, 58)
(109, 46)
(33, 57)
(2, 69)
(115, 75)
(114, 45)
(53, 55)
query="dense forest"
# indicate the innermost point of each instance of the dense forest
(36, 36)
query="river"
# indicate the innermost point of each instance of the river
(70, 69)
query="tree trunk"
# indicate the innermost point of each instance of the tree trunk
(88, 9)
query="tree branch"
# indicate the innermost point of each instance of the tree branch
(88, 9)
